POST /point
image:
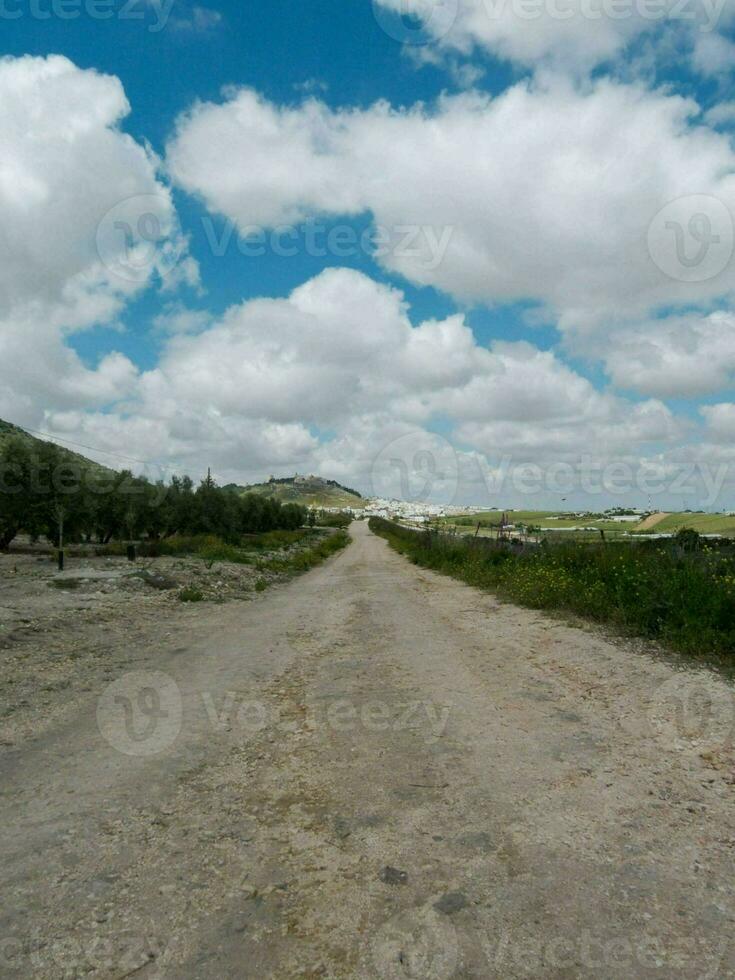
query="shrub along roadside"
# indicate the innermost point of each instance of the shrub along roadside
(324, 519)
(302, 561)
(317, 546)
(209, 547)
(681, 597)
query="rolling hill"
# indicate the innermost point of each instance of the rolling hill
(311, 491)
(8, 430)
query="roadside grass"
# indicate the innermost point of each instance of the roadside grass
(293, 563)
(318, 546)
(273, 540)
(302, 561)
(655, 589)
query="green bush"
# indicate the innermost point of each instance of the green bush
(339, 520)
(190, 594)
(302, 561)
(275, 540)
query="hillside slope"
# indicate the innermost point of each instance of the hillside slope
(310, 491)
(8, 430)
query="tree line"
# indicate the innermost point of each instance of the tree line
(47, 492)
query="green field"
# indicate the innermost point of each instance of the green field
(704, 523)
(491, 518)
(550, 521)
(489, 521)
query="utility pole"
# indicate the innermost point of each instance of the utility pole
(60, 518)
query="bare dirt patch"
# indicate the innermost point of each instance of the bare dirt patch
(651, 521)
(63, 633)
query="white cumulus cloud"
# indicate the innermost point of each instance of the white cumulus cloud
(65, 166)
(678, 357)
(575, 35)
(546, 192)
(329, 377)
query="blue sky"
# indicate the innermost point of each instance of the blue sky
(557, 323)
(281, 48)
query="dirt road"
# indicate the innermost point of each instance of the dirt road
(374, 771)
(651, 521)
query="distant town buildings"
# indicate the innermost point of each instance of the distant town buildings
(416, 512)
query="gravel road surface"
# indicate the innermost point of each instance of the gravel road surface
(374, 772)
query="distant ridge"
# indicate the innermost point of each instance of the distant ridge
(312, 491)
